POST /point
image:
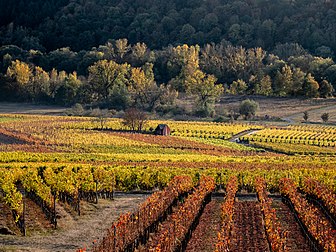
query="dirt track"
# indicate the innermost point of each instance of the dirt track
(76, 232)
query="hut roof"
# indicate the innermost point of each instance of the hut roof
(162, 126)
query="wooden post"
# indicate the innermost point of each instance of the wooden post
(54, 213)
(96, 192)
(78, 202)
(114, 238)
(24, 213)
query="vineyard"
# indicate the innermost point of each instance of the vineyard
(72, 183)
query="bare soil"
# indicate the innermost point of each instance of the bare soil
(204, 236)
(295, 240)
(248, 231)
(74, 232)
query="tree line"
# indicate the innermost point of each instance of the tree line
(119, 75)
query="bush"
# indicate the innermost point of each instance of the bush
(248, 108)
(325, 117)
(75, 110)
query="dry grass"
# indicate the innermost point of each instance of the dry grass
(285, 108)
(25, 108)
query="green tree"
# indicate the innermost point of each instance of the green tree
(143, 89)
(39, 86)
(248, 108)
(121, 49)
(265, 86)
(298, 81)
(311, 86)
(326, 89)
(283, 83)
(238, 87)
(67, 92)
(306, 116)
(206, 90)
(186, 58)
(106, 78)
(325, 117)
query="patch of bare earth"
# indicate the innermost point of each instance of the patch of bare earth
(248, 230)
(74, 231)
(204, 236)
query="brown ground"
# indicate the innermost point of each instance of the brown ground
(204, 236)
(295, 240)
(74, 232)
(248, 229)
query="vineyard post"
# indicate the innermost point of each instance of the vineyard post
(139, 221)
(54, 213)
(78, 202)
(96, 192)
(24, 212)
(114, 237)
(113, 182)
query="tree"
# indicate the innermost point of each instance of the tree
(265, 86)
(67, 92)
(186, 58)
(143, 89)
(39, 86)
(121, 48)
(326, 89)
(134, 119)
(101, 116)
(306, 116)
(311, 86)
(207, 91)
(283, 83)
(238, 87)
(248, 108)
(107, 77)
(139, 54)
(20, 73)
(298, 81)
(325, 117)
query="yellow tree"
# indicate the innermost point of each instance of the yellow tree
(187, 58)
(206, 90)
(105, 77)
(21, 74)
(39, 86)
(144, 91)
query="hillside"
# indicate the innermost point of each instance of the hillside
(81, 24)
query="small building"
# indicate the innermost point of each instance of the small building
(162, 130)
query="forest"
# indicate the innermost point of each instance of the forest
(119, 54)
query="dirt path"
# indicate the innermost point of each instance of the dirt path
(235, 138)
(248, 230)
(295, 240)
(76, 232)
(314, 115)
(204, 236)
